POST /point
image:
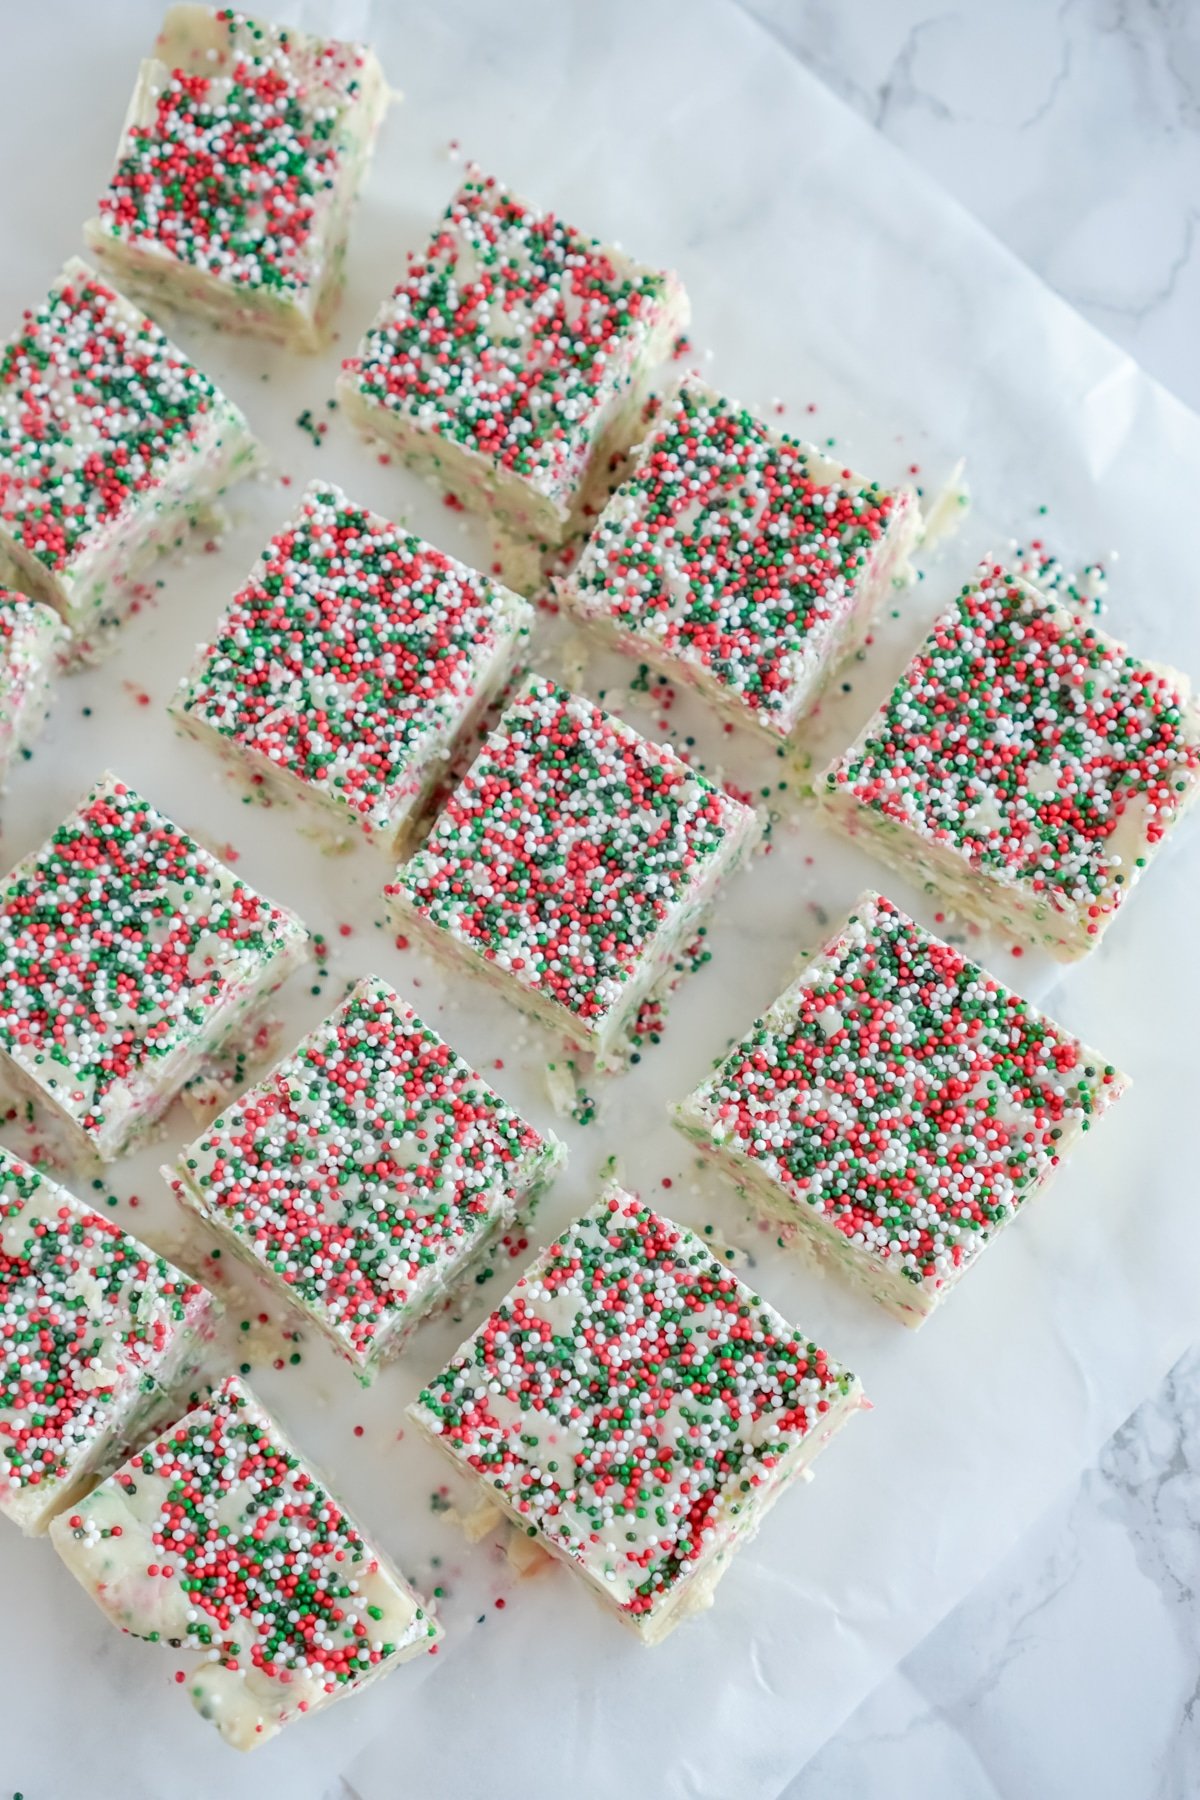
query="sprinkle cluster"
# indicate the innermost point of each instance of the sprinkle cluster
(905, 1095)
(365, 1167)
(94, 403)
(117, 940)
(1031, 744)
(566, 849)
(352, 656)
(231, 172)
(276, 1577)
(509, 335)
(87, 1316)
(735, 549)
(630, 1398)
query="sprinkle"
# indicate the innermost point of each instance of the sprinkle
(352, 662)
(631, 1402)
(572, 854)
(106, 431)
(123, 947)
(240, 1546)
(506, 342)
(899, 1106)
(1033, 752)
(90, 1319)
(366, 1172)
(237, 171)
(740, 560)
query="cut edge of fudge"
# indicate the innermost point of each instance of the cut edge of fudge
(539, 505)
(153, 1385)
(1005, 899)
(807, 1229)
(691, 1590)
(204, 41)
(530, 1175)
(137, 1106)
(232, 1690)
(600, 1036)
(94, 587)
(840, 638)
(402, 805)
(33, 639)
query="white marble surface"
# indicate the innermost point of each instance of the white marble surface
(1071, 128)
(1073, 132)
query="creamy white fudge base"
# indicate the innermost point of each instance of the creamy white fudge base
(1047, 918)
(132, 1110)
(759, 1171)
(302, 318)
(140, 1387)
(538, 1446)
(98, 588)
(537, 511)
(697, 1592)
(395, 820)
(826, 649)
(247, 1705)
(600, 1038)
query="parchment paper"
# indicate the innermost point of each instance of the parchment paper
(825, 272)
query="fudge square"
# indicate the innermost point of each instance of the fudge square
(111, 447)
(365, 1173)
(96, 1332)
(127, 955)
(32, 639)
(897, 1107)
(741, 561)
(1026, 766)
(240, 159)
(637, 1409)
(512, 362)
(219, 1537)
(351, 664)
(572, 863)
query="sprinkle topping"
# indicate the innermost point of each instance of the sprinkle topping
(510, 335)
(736, 549)
(276, 1578)
(1032, 745)
(88, 1316)
(233, 172)
(351, 656)
(118, 939)
(905, 1095)
(567, 848)
(364, 1167)
(630, 1397)
(94, 403)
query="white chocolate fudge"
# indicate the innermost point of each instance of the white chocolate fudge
(112, 447)
(1026, 766)
(740, 561)
(572, 863)
(366, 1174)
(32, 639)
(896, 1108)
(127, 955)
(351, 665)
(96, 1334)
(636, 1408)
(513, 361)
(219, 1537)
(240, 159)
